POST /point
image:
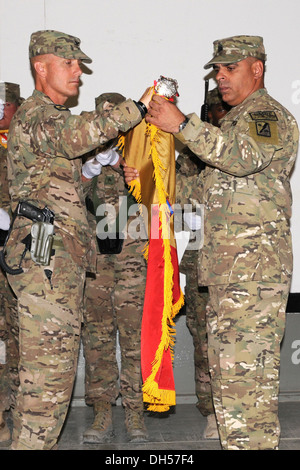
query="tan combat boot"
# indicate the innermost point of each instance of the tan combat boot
(211, 430)
(102, 427)
(135, 426)
(4, 431)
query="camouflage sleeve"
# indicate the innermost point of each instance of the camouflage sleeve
(86, 186)
(235, 152)
(186, 174)
(71, 136)
(106, 101)
(187, 164)
(188, 167)
(4, 194)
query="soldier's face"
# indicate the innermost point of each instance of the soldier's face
(239, 80)
(9, 111)
(62, 78)
(217, 112)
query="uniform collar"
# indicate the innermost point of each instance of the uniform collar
(42, 96)
(236, 110)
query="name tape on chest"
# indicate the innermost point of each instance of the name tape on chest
(264, 127)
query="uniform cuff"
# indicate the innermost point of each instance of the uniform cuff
(126, 115)
(192, 129)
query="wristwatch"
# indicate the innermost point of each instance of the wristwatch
(183, 124)
(141, 107)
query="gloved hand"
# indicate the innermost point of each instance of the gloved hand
(91, 168)
(4, 220)
(192, 220)
(108, 157)
(2, 103)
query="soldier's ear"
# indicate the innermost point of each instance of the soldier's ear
(258, 69)
(40, 68)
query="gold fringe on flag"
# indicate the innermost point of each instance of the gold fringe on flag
(152, 152)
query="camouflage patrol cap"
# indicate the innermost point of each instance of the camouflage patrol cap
(214, 97)
(57, 43)
(237, 48)
(10, 92)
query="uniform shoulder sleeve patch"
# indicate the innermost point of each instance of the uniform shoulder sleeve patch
(264, 127)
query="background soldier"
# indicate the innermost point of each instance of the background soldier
(10, 101)
(43, 171)
(188, 168)
(114, 298)
(246, 258)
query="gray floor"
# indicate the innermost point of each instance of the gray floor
(180, 430)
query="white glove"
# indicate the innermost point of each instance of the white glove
(109, 157)
(192, 220)
(91, 168)
(4, 220)
(2, 103)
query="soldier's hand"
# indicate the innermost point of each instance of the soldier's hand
(130, 173)
(164, 114)
(146, 98)
(4, 220)
(91, 168)
(121, 162)
(108, 157)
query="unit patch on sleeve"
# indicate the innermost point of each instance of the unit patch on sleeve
(263, 127)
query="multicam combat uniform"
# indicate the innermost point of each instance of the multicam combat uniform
(44, 141)
(246, 260)
(114, 299)
(8, 313)
(188, 168)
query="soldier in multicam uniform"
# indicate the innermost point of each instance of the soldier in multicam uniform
(114, 298)
(188, 168)
(10, 100)
(246, 257)
(43, 142)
